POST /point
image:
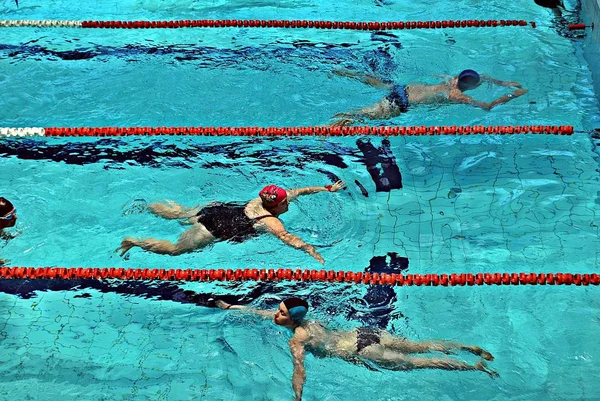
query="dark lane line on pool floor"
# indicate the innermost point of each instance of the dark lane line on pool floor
(375, 309)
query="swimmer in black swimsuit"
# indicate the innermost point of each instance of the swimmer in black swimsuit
(402, 97)
(364, 345)
(230, 222)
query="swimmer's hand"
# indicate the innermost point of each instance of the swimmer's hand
(4, 262)
(311, 251)
(519, 92)
(225, 306)
(513, 84)
(337, 186)
(222, 304)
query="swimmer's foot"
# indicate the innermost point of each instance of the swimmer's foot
(126, 245)
(482, 366)
(342, 122)
(343, 72)
(480, 352)
(136, 206)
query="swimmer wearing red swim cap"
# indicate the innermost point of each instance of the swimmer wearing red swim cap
(231, 221)
(272, 196)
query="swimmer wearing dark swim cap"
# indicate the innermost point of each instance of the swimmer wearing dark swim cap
(403, 97)
(291, 312)
(367, 346)
(468, 79)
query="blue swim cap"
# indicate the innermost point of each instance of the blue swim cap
(297, 308)
(468, 79)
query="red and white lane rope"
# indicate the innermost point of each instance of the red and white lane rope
(287, 131)
(306, 275)
(236, 23)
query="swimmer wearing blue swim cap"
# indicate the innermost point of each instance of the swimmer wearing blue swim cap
(367, 346)
(401, 98)
(468, 79)
(291, 312)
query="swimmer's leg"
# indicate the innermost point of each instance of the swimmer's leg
(172, 210)
(382, 110)
(195, 238)
(368, 79)
(398, 361)
(413, 347)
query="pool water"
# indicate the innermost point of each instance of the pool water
(467, 204)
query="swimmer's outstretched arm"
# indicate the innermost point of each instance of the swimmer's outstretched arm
(365, 78)
(275, 227)
(262, 313)
(507, 98)
(488, 106)
(297, 348)
(507, 84)
(294, 193)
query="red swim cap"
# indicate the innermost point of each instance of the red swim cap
(272, 195)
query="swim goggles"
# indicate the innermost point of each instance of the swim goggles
(10, 215)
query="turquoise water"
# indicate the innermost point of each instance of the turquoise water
(476, 204)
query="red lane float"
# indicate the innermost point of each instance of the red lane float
(307, 275)
(289, 131)
(304, 24)
(574, 27)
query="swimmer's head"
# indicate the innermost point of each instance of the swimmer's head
(274, 199)
(8, 214)
(291, 312)
(468, 79)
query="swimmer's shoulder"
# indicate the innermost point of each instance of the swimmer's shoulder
(254, 209)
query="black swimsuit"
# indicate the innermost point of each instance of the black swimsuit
(366, 336)
(227, 221)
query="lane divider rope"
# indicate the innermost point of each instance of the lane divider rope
(306, 275)
(227, 23)
(576, 27)
(287, 131)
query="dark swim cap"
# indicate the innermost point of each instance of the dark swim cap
(297, 308)
(5, 207)
(468, 79)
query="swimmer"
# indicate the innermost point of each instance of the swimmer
(563, 17)
(8, 218)
(230, 221)
(402, 97)
(554, 5)
(365, 345)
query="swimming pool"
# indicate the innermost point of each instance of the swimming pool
(468, 204)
